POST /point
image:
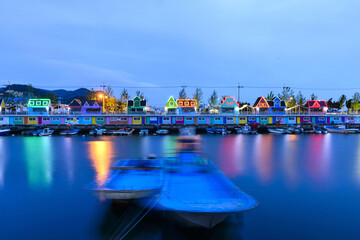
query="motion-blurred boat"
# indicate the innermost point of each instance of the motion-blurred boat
(5, 131)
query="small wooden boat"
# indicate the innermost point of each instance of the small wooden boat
(320, 130)
(214, 130)
(294, 129)
(69, 132)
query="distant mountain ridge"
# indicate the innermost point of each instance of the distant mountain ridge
(65, 95)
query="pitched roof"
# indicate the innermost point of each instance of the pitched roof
(261, 103)
(229, 102)
(75, 103)
(316, 104)
(272, 102)
(92, 102)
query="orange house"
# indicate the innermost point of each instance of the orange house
(186, 105)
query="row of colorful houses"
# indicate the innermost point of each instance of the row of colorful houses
(173, 120)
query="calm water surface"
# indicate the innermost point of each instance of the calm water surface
(307, 185)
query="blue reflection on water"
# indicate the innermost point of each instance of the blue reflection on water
(309, 182)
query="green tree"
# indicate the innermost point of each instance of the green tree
(300, 99)
(91, 94)
(355, 103)
(342, 101)
(270, 96)
(213, 100)
(348, 103)
(198, 95)
(140, 95)
(124, 97)
(286, 94)
(182, 93)
(313, 96)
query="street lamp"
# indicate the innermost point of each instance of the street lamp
(103, 98)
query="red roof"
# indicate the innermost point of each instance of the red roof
(316, 104)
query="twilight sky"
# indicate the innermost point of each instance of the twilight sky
(308, 44)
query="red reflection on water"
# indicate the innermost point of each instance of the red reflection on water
(319, 157)
(263, 155)
(231, 154)
(290, 159)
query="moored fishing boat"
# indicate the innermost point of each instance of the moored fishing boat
(320, 130)
(340, 129)
(5, 131)
(143, 132)
(69, 132)
(278, 131)
(162, 132)
(97, 131)
(245, 130)
(44, 132)
(123, 131)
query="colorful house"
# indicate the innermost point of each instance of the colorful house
(261, 106)
(39, 106)
(316, 106)
(136, 105)
(2, 106)
(229, 106)
(187, 106)
(91, 107)
(277, 106)
(75, 106)
(171, 106)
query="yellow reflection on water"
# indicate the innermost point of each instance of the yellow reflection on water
(169, 145)
(38, 157)
(101, 154)
(289, 159)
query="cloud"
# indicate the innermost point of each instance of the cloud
(92, 74)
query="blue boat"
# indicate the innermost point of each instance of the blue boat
(5, 131)
(131, 179)
(144, 132)
(71, 131)
(197, 192)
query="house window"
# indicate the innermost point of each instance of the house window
(192, 103)
(38, 103)
(56, 119)
(31, 103)
(171, 104)
(18, 119)
(251, 118)
(279, 119)
(306, 119)
(46, 119)
(230, 119)
(178, 118)
(69, 119)
(263, 118)
(31, 119)
(217, 119)
(113, 119)
(336, 118)
(188, 118)
(166, 118)
(123, 119)
(186, 103)
(321, 119)
(100, 119)
(180, 103)
(242, 119)
(201, 118)
(351, 118)
(87, 119)
(291, 118)
(136, 119)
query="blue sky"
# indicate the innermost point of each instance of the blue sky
(68, 44)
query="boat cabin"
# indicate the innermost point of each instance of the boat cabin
(39, 106)
(187, 106)
(229, 106)
(277, 106)
(316, 106)
(171, 106)
(261, 106)
(136, 105)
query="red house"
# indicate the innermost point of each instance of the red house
(316, 106)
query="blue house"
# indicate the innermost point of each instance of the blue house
(39, 106)
(277, 106)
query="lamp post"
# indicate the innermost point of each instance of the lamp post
(103, 98)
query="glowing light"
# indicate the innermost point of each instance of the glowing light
(101, 96)
(232, 150)
(263, 157)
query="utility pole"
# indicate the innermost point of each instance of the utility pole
(239, 92)
(103, 96)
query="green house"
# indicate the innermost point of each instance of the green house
(171, 106)
(229, 106)
(39, 106)
(136, 105)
